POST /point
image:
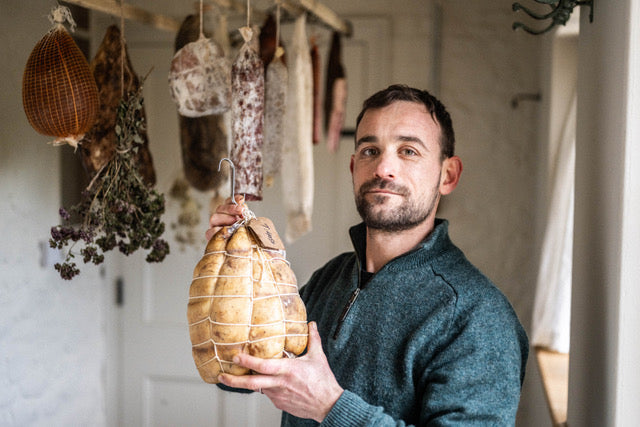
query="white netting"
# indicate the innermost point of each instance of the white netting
(243, 298)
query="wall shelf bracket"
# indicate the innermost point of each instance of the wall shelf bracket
(560, 13)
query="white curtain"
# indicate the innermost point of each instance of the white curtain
(552, 306)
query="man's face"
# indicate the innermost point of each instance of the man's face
(396, 168)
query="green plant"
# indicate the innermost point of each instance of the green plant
(117, 209)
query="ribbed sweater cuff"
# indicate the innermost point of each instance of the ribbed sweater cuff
(349, 411)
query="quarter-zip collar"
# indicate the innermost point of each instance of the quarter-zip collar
(432, 246)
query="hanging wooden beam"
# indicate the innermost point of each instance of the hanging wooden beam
(167, 23)
(112, 7)
(239, 7)
(295, 7)
(325, 14)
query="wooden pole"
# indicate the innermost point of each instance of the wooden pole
(112, 7)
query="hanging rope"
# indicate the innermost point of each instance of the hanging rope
(277, 24)
(249, 13)
(201, 20)
(123, 53)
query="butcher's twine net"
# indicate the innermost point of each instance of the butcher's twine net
(267, 276)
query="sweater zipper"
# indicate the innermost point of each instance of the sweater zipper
(352, 300)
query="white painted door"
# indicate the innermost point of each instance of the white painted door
(158, 384)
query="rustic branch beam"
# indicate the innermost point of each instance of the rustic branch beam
(326, 14)
(295, 7)
(112, 7)
(167, 23)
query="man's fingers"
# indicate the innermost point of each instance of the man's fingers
(269, 368)
(258, 365)
(247, 382)
(226, 214)
(315, 343)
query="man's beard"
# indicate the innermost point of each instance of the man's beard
(404, 217)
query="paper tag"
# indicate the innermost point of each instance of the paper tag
(266, 234)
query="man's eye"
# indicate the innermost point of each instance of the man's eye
(408, 152)
(369, 151)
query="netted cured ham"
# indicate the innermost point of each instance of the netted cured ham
(244, 299)
(59, 94)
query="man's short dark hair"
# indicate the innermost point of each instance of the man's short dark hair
(405, 93)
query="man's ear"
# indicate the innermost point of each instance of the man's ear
(451, 171)
(351, 165)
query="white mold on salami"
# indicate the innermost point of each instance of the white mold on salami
(200, 79)
(204, 140)
(247, 109)
(297, 160)
(275, 107)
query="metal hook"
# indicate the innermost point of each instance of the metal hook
(233, 178)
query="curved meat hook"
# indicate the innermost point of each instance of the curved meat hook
(233, 178)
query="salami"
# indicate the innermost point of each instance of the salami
(317, 99)
(268, 42)
(247, 108)
(99, 144)
(203, 140)
(297, 168)
(200, 79)
(335, 101)
(275, 107)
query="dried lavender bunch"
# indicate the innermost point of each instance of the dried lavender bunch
(117, 209)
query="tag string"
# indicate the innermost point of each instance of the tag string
(277, 24)
(122, 50)
(201, 19)
(248, 13)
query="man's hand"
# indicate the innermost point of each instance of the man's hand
(226, 214)
(304, 387)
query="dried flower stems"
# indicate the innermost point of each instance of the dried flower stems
(117, 208)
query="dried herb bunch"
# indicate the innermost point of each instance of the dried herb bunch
(117, 208)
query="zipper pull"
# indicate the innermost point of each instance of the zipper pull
(345, 311)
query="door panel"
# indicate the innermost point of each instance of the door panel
(158, 382)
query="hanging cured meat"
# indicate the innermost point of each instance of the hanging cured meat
(274, 116)
(317, 99)
(59, 94)
(111, 70)
(200, 78)
(244, 299)
(335, 101)
(222, 37)
(203, 140)
(268, 42)
(247, 108)
(297, 167)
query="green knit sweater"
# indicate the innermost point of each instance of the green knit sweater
(429, 340)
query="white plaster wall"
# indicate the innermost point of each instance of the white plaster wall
(52, 345)
(493, 212)
(53, 337)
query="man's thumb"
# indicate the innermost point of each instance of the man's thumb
(315, 343)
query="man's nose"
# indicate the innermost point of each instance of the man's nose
(386, 166)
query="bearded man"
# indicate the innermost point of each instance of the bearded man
(404, 330)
